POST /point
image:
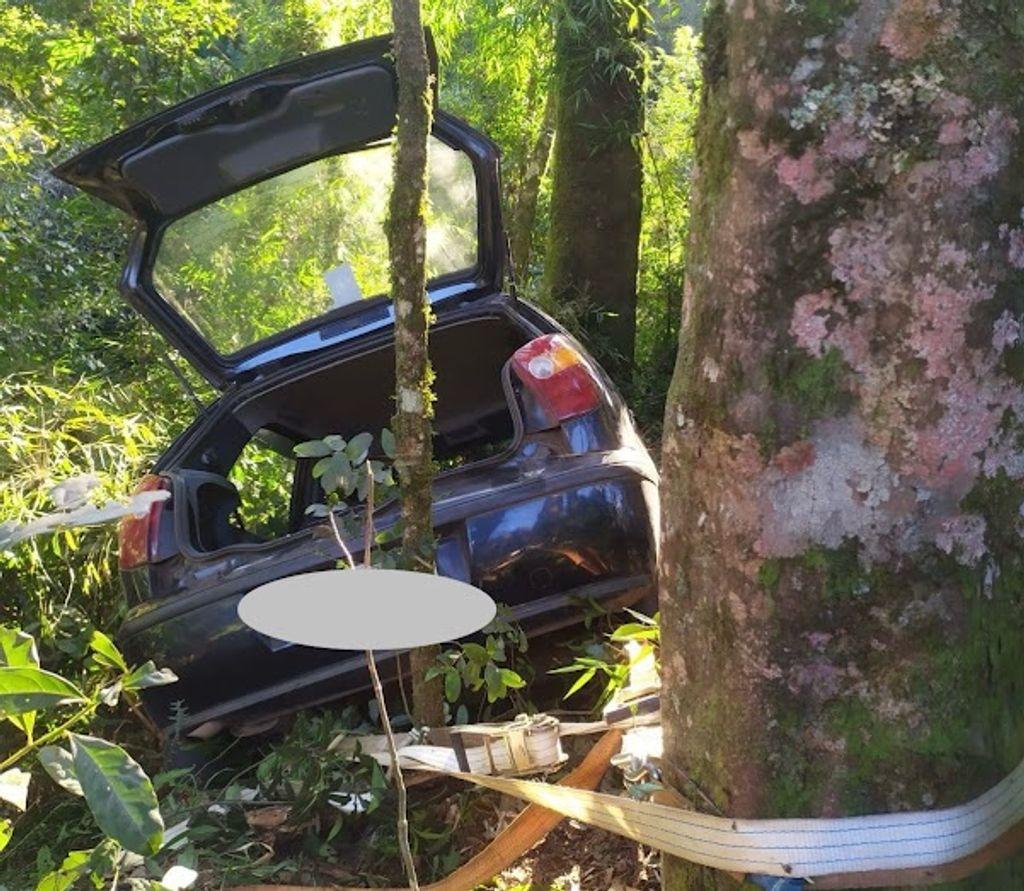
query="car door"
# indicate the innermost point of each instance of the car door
(260, 210)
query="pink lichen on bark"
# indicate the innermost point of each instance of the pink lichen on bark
(1014, 245)
(804, 178)
(931, 400)
(913, 25)
(1005, 332)
(809, 325)
(844, 142)
(941, 313)
(963, 535)
(989, 151)
(952, 132)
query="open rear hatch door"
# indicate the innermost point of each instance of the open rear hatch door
(261, 205)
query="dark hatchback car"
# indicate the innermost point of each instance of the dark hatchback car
(260, 255)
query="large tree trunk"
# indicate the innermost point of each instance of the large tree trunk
(842, 574)
(594, 234)
(414, 396)
(524, 204)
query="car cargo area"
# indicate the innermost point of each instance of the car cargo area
(246, 487)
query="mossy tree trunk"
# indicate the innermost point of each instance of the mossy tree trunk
(414, 396)
(524, 204)
(842, 574)
(593, 240)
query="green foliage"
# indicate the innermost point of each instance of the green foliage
(495, 667)
(117, 791)
(611, 662)
(345, 469)
(674, 86)
(309, 771)
(52, 430)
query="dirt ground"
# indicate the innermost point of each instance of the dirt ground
(578, 858)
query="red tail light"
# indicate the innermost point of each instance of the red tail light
(558, 377)
(138, 534)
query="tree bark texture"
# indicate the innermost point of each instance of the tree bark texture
(593, 240)
(843, 474)
(413, 375)
(524, 205)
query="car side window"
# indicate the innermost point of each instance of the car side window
(263, 476)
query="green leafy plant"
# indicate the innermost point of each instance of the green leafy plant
(490, 667)
(345, 469)
(610, 660)
(46, 709)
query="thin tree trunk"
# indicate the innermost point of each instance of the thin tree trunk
(524, 209)
(842, 574)
(414, 394)
(593, 241)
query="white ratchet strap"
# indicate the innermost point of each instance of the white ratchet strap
(797, 848)
(789, 847)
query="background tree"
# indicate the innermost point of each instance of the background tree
(593, 239)
(414, 394)
(842, 568)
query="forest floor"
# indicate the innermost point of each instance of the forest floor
(574, 856)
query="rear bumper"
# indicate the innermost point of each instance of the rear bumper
(539, 545)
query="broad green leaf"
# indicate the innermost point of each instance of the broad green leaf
(148, 675)
(28, 689)
(118, 793)
(105, 652)
(14, 787)
(337, 473)
(475, 653)
(17, 649)
(315, 448)
(71, 870)
(495, 688)
(334, 442)
(512, 679)
(359, 447)
(59, 764)
(452, 685)
(387, 442)
(6, 831)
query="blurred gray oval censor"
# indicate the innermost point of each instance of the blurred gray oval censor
(366, 609)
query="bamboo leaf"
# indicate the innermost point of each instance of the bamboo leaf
(581, 682)
(118, 793)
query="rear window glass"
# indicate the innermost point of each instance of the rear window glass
(308, 241)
